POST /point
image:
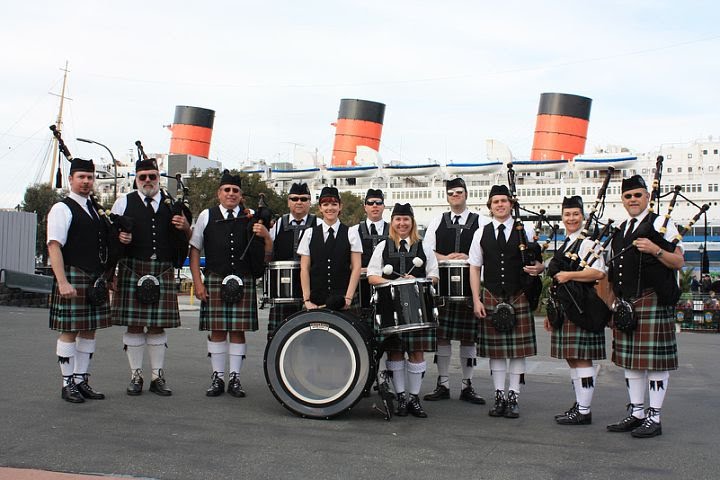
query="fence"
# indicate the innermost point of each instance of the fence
(698, 312)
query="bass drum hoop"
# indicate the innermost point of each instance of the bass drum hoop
(347, 331)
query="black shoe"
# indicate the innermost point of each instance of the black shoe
(158, 385)
(498, 409)
(575, 418)
(415, 408)
(649, 428)
(71, 394)
(567, 412)
(136, 383)
(402, 405)
(234, 387)
(87, 391)
(468, 394)
(441, 392)
(512, 410)
(627, 424)
(217, 387)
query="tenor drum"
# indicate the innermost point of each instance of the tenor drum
(405, 305)
(281, 283)
(454, 284)
(320, 362)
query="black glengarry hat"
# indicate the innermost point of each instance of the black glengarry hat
(402, 209)
(636, 181)
(373, 193)
(499, 190)
(149, 164)
(80, 165)
(455, 183)
(329, 192)
(573, 202)
(228, 179)
(299, 189)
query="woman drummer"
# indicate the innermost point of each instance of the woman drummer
(399, 250)
(577, 346)
(330, 258)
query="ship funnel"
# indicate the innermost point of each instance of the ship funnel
(192, 131)
(561, 128)
(359, 123)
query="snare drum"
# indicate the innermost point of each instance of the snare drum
(281, 283)
(454, 284)
(320, 362)
(405, 305)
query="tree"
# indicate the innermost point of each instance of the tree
(353, 211)
(40, 198)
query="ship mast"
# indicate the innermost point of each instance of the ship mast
(54, 150)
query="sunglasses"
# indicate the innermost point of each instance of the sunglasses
(231, 189)
(299, 199)
(374, 202)
(628, 196)
(150, 176)
(459, 191)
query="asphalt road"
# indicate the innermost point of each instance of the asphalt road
(190, 436)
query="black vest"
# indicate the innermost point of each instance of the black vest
(329, 270)
(151, 231)
(502, 269)
(633, 268)
(402, 262)
(369, 241)
(86, 246)
(288, 237)
(450, 238)
(224, 242)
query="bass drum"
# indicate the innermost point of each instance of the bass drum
(320, 362)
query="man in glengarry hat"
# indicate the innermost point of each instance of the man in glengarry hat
(496, 250)
(235, 248)
(371, 231)
(643, 274)
(286, 235)
(148, 260)
(77, 241)
(450, 235)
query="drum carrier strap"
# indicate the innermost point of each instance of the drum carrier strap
(298, 230)
(394, 253)
(472, 218)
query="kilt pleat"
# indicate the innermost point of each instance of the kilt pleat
(573, 342)
(76, 314)
(216, 314)
(457, 321)
(518, 343)
(652, 345)
(416, 341)
(127, 310)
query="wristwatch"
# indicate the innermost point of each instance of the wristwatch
(659, 253)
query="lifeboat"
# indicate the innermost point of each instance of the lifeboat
(294, 173)
(539, 165)
(461, 169)
(601, 161)
(351, 171)
(411, 170)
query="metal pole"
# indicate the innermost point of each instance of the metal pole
(113, 160)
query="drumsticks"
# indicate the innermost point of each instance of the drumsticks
(389, 270)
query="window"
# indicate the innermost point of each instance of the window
(669, 157)
(705, 152)
(679, 169)
(689, 155)
(710, 168)
(669, 169)
(689, 169)
(715, 152)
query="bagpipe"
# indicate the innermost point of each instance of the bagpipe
(262, 215)
(178, 205)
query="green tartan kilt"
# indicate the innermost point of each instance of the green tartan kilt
(215, 314)
(279, 312)
(127, 310)
(76, 314)
(424, 340)
(652, 345)
(518, 343)
(573, 342)
(457, 322)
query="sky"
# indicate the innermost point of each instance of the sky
(451, 74)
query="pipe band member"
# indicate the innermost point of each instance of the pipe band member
(330, 258)
(403, 239)
(496, 250)
(77, 243)
(450, 235)
(146, 296)
(235, 247)
(644, 276)
(286, 235)
(579, 347)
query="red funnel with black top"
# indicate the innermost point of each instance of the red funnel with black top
(561, 128)
(359, 123)
(192, 131)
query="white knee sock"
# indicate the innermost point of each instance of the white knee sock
(135, 348)
(415, 372)
(157, 343)
(468, 359)
(658, 383)
(636, 382)
(217, 351)
(66, 358)
(584, 388)
(397, 367)
(498, 370)
(442, 358)
(84, 348)
(237, 355)
(516, 370)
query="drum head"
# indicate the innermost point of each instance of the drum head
(319, 362)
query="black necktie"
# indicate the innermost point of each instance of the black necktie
(565, 244)
(373, 230)
(148, 204)
(403, 246)
(630, 229)
(330, 242)
(230, 215)
(502, 242)
(296, 221)
(92, 210)
(456, 220)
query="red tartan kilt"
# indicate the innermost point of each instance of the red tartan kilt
(76, 314)
(518, 343)
(216, 314)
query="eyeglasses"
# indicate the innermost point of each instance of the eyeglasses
(628, 196)
(459, 191)
(150, 176)
(231, 189)
(374, 202)
(299, 199)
